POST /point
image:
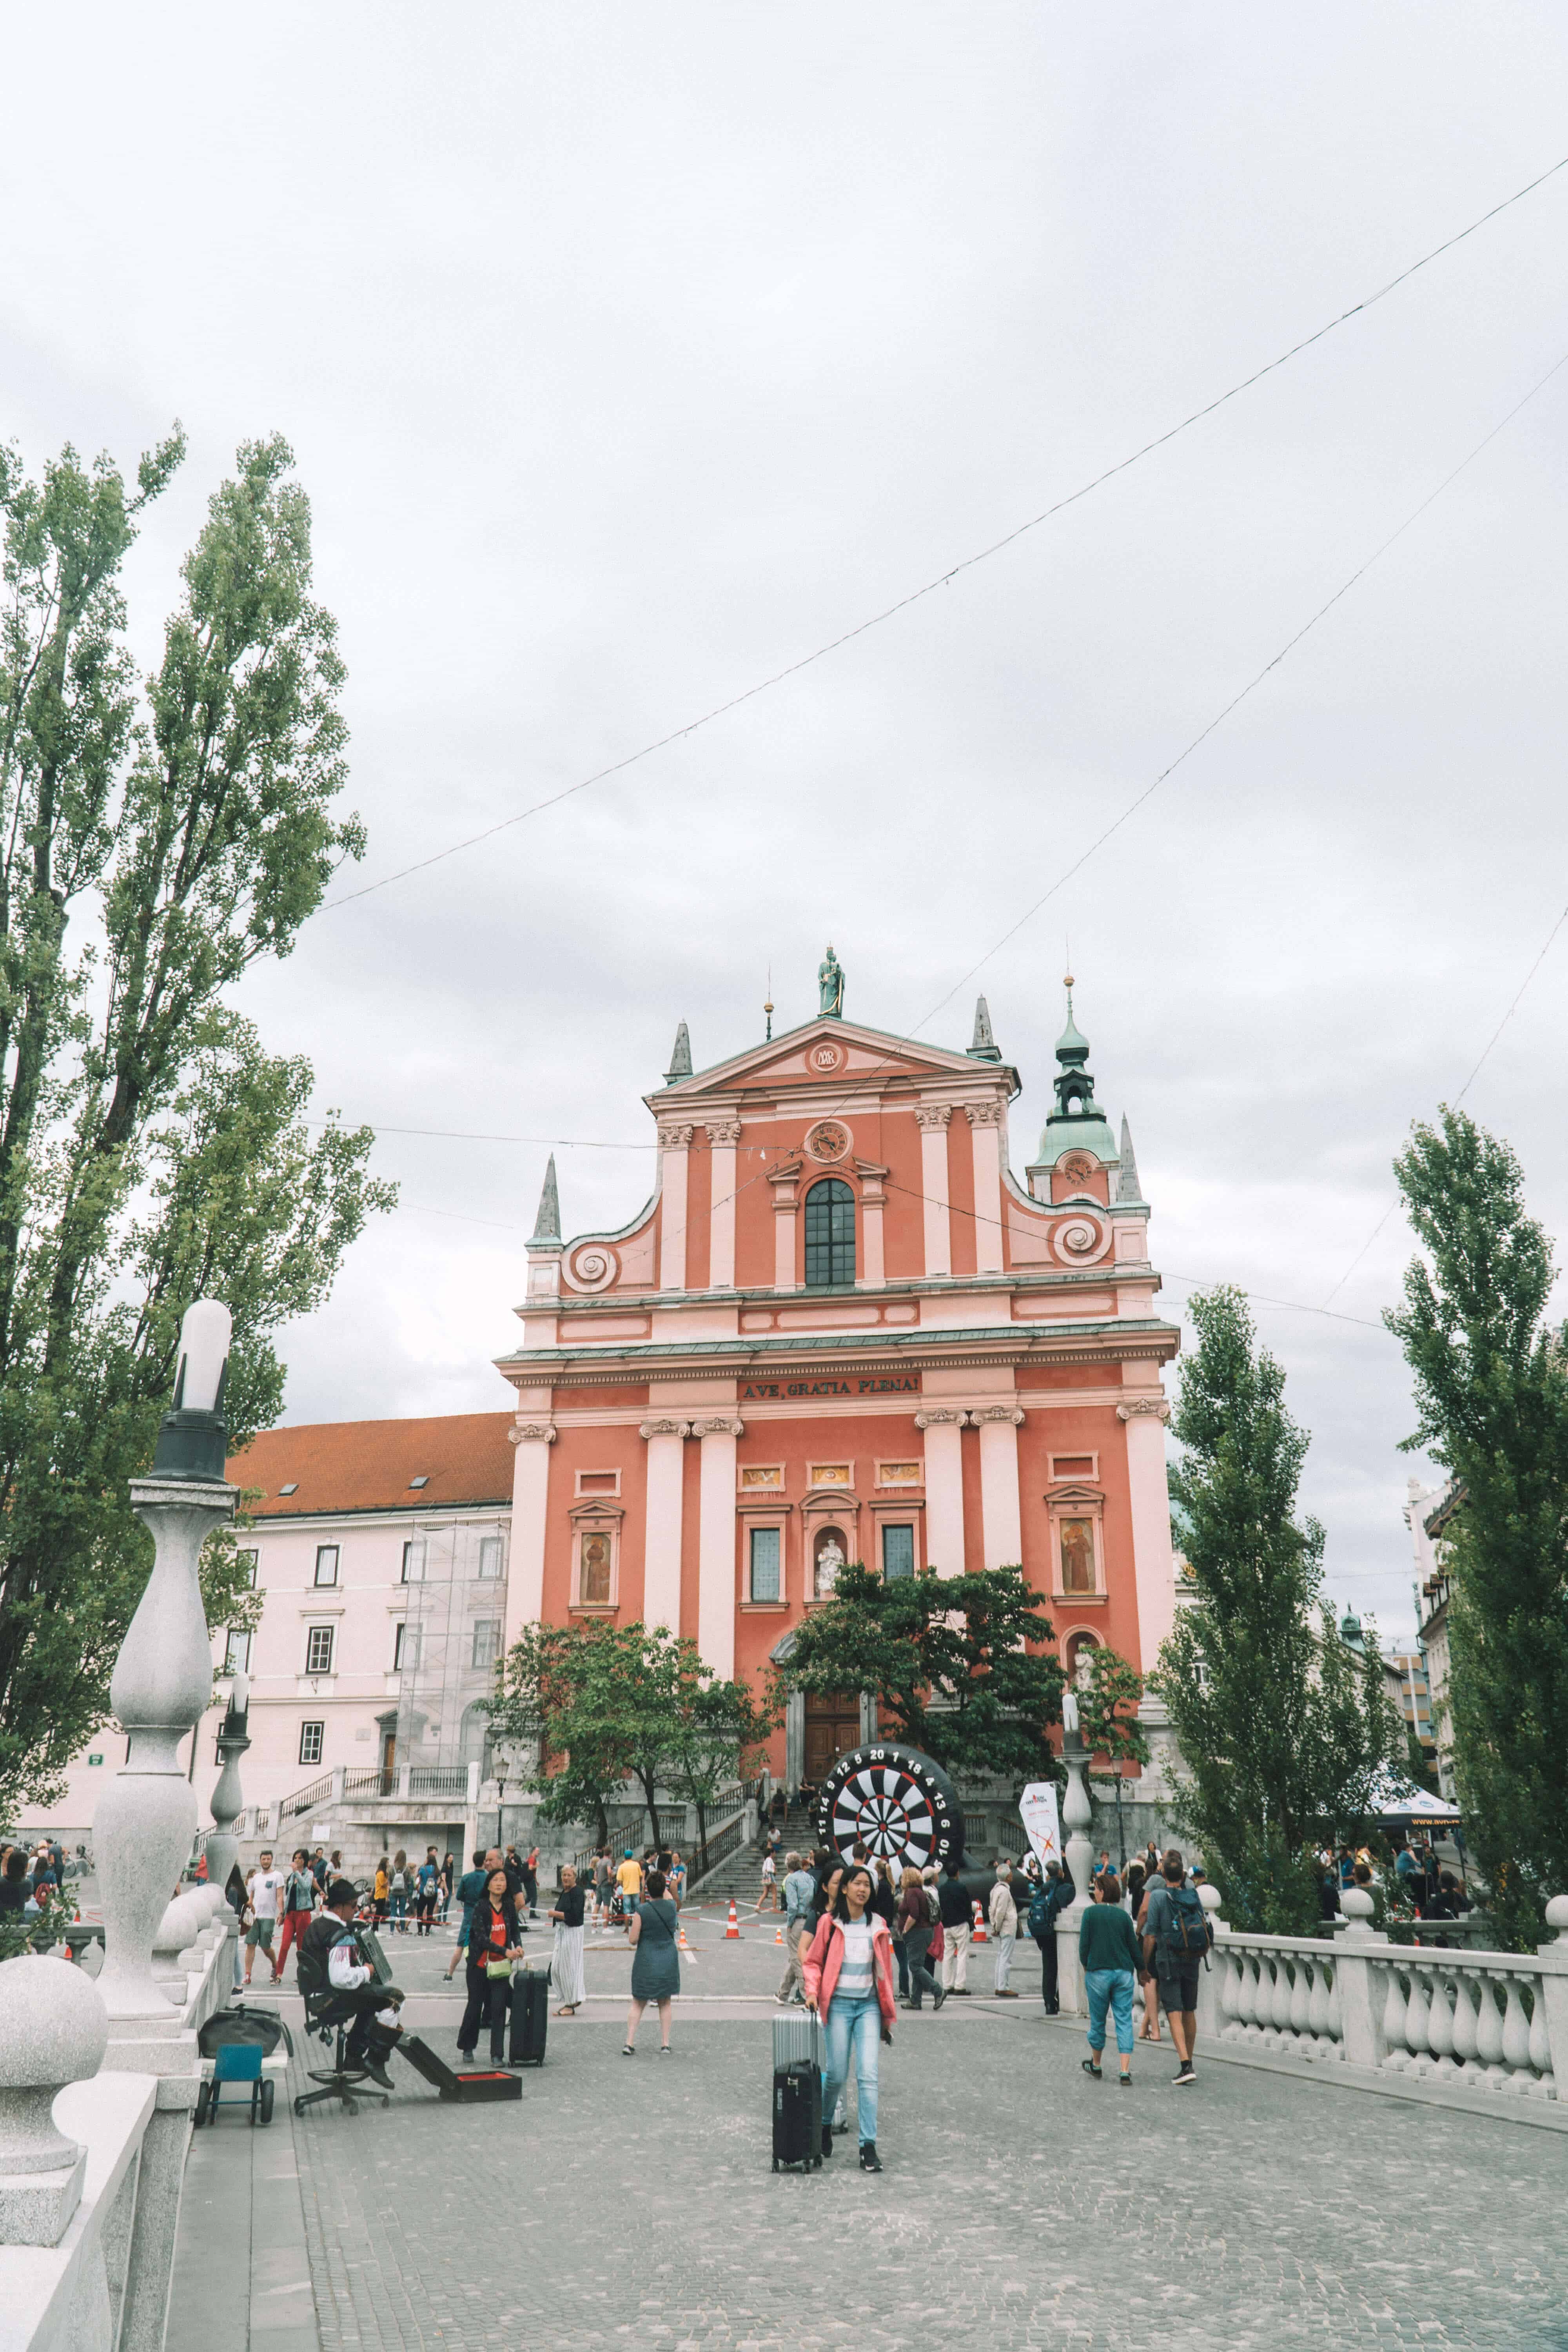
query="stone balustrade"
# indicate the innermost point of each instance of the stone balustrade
(1495, 2024)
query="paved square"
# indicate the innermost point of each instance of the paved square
(633, 2200)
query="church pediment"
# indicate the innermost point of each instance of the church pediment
(829, 1053)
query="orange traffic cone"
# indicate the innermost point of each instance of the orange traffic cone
(978, 1935)
(684, 1946)
(778, 1933)
(733, 1932)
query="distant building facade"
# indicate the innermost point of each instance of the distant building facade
(1427, 1514)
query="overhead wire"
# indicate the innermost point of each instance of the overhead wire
(954, 570)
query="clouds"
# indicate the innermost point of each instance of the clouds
(629, 352)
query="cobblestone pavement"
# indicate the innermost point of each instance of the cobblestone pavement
(634, 2200)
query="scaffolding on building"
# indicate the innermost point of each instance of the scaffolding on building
(454, 1574)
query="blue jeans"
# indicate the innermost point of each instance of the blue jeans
(860, 2022)
(1112, 1987)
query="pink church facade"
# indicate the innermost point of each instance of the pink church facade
(843, 1330)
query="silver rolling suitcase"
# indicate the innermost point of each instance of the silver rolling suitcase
(799, 2040)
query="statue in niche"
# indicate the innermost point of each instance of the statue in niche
(595, 1571)
(830, 984)
(1083, 1668)
(1077, 1555)
(829, 1560)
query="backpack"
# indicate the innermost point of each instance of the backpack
(1183, 1929)
(1039, 1917)
(933, 1906)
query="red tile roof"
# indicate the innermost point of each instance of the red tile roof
(365, 1465)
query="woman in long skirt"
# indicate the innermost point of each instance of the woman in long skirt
(566, 1962)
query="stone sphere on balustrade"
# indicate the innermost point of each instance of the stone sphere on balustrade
(181, 1923)
(54, 2030)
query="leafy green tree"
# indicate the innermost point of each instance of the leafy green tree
(1107, 1702)
(1283, 1728)
(1490, 1374)
(948, 1659)
(159, 836)
(597, 1706)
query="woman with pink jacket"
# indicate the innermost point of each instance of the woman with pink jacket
(849, 1972)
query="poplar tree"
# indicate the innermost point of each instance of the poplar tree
(159, 836)
(1283, 1728)
(1492, 1392)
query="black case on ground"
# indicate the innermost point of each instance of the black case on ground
(466, 2087)
(797, 2117)
(529, 2018)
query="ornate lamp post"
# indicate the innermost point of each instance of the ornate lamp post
(146, 1818)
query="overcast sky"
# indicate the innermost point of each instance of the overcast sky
(629, 352)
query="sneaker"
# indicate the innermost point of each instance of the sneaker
(1090, 2068)
(1125, 2080)
(827, 2140)
(870, 2159)
(1005, 1995)
(940, 1997)
(962, 1991)
(1185, 2073)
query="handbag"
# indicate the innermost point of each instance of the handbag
(498, 1971)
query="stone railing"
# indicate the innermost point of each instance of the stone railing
(1495, 2024)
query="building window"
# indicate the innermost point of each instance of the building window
(237, 1656)
(898, 1554)
(326, 1564)
(766, 1546)
(829, 1236)
(1076, 1540)
(312, 1736)
(490, 1558)
(414, 1560)
(250, 1561)
(487, 1641)
(595, 1568)
(405, 1648)
(318, 1650)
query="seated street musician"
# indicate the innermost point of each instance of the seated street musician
(340, 1981)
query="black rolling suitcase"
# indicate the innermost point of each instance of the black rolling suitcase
(797, 2117)
(530, 2017)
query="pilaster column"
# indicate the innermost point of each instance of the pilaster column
(1153, 1564)
(723, 1135)
(662, 1525)
(784, 1182)
(931, 1120)
(1001, 1520)
(716, 1542)
(673, 1141)
(943, 1428)
(985, 1144)
(873, 1200)
(530, 1504)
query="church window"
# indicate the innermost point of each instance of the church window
(1078, 1555)
(898, 1553)
(829, 1236)
(766, 1547)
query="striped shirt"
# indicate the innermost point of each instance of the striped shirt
(855, 1977)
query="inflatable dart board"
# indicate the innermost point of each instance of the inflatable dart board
(893, 1800)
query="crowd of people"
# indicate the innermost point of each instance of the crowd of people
(29, 1876)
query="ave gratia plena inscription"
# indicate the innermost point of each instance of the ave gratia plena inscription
(874, 1385)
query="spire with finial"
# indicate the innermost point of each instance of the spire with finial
(547, 1225)
(1077, 1123)
(983, 1045)
(680, 1056)
(768, 1006)
(1127, 1173)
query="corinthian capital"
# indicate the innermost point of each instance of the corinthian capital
(672, 1138)
(983, 1114)
(1140, 1406)
(665, 1429)
(719, 1425)
(539, 1432)
(929, 1116)
(723, 1130)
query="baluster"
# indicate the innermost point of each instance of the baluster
(1279, 2006)
(1245, 1992)
(1301, 1998)
(1334, 2030)
(1440, 2027)
(1230, 1993)
(1515, 2038)
(1465, 2023)
(1397, 2056)
(1543, 2086)
(1417, 2009)
(1262, 1999)
(1318, 2006)
(1488, 2033)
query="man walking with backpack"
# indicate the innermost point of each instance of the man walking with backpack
(1046, 1907)
(1177, 1938)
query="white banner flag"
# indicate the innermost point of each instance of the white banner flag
(1037, 1806)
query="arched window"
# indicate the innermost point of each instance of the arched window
(829, 1236)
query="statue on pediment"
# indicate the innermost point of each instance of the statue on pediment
(830, 984)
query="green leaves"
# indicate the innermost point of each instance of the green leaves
(1490, 1378)
(946, 1656)
(156, 837)
(1283, 1728)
